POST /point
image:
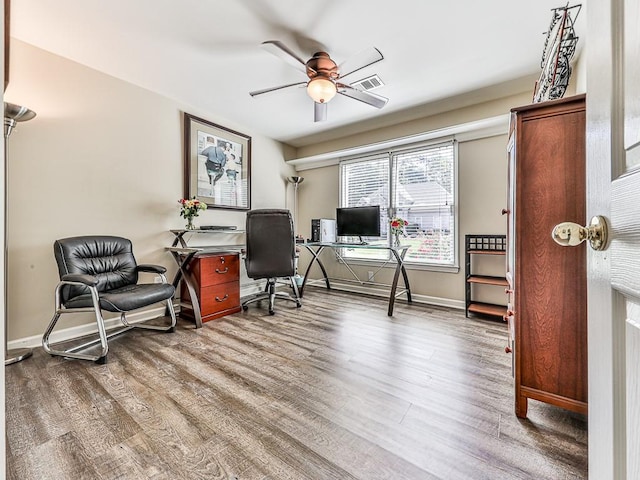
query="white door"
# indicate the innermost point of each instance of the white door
(613, 190)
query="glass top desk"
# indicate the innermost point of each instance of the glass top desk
(397, 256)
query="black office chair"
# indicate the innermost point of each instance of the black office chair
(270, 254)
(100, 273)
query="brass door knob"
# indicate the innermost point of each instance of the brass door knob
(569, 234)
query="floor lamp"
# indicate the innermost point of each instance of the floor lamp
(295, 181)
(12, 115)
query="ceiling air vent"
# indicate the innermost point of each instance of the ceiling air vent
(369, 83)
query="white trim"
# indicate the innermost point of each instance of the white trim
(90, 328)
(65, 334)
(488, 127)
(378, 292)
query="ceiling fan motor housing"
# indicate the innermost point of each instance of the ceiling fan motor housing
(322, 65)
(322, 73)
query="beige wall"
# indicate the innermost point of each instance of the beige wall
(101, 157)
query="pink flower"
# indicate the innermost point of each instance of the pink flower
(190, 207)
(397, 225)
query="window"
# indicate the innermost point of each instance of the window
(415, 184)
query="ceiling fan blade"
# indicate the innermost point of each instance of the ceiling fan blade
(272, 89)
(319, 112)
(281, 51)
(361, 60)
(366, 97)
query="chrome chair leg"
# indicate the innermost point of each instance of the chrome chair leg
(296, 292)
(72, 352)
(170, 328)
(103, 337)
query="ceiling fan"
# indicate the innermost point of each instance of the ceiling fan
(324, 77)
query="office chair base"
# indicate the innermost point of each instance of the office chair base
(270, 294)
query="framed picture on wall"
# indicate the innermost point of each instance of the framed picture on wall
(7, 25)
(217, 164)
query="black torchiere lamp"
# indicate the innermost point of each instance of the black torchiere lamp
(12, 115)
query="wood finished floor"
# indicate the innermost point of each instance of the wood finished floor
(334, 390)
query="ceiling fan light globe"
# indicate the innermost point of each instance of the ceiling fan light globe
(321, 90)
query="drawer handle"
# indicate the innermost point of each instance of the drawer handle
(222, 271)
(508, 291)
(218, 299)
(507, 350)
(505, 211)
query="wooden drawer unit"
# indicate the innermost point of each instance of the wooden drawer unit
(216, 279)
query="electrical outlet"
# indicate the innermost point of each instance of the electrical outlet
(370, 274)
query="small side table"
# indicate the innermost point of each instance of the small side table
(209, 277)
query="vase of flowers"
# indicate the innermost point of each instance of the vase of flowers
(397, 224)
(189, 208)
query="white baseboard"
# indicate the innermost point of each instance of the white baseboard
(384, 293)
(70, 333)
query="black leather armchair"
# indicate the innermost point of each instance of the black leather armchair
(270, 254)
(100, 273)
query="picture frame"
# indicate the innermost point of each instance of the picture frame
(7, 27)
(217, 164)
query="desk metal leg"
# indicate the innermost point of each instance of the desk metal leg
(184, 274)
(316, 259)
(396, 276)
(392, 294)
(406, 284)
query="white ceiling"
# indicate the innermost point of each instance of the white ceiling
(207, 53)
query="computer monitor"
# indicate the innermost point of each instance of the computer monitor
(358, 221)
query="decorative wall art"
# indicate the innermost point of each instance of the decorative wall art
(7, 26)
(559, 48)
(217, 164)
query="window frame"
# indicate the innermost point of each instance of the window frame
(390, 208)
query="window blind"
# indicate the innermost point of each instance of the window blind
(423, 184)
(417, 185)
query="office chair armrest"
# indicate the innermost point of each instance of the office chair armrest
(85, 279)
(151, 268)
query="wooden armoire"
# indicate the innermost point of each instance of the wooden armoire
(547, 311)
